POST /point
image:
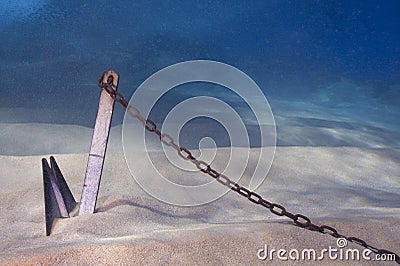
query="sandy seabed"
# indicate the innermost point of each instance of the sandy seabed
(356, 190)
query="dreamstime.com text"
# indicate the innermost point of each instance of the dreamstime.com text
(333, 253)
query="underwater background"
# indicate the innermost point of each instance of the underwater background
(329, 69)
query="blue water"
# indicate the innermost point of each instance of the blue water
(330, 69)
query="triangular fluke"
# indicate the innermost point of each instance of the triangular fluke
(63, 186)
(54, 202)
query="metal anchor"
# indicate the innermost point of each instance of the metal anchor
(58, 199)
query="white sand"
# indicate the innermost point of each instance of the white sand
(298, 124)
(41, 138)
(356, 190)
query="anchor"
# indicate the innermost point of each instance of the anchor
(58, 199)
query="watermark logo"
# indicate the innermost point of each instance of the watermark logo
(341, 253)
(341, 242)
(155, 180)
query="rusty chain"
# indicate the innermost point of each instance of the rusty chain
(277, 209)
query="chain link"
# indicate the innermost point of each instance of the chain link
(277, 209)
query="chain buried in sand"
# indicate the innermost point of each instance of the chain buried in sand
(277, 209)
